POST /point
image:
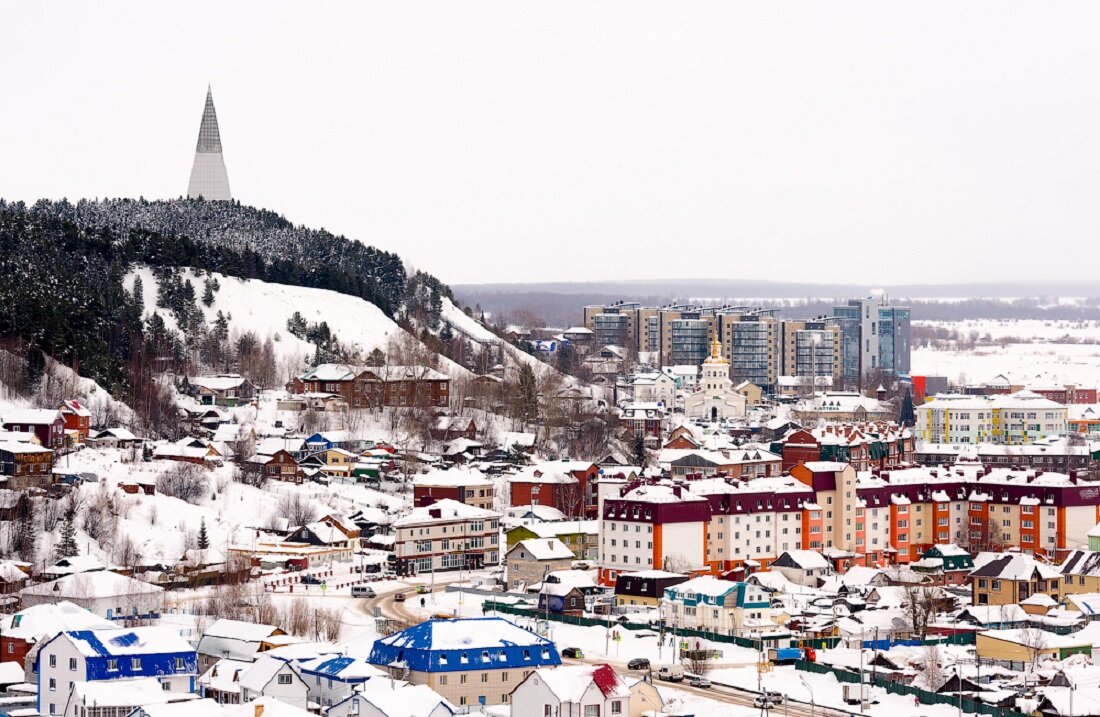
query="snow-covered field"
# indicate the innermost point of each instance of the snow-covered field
(1023, 329)
(1032, 363)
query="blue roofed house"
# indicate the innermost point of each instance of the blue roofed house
(722, 606)
(79, 656)
(332, 678)
(475, 661)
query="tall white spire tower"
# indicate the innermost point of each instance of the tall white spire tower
(209, 179)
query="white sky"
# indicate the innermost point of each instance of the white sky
(524, 141)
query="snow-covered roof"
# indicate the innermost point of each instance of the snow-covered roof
(343, 667)
(706, 585)
(539, 512)
(445, 509)
(808, 559)
(99, 584)
(267, 706)
(545, 549)
(464, 634)
(570, 682)
(551, 472)
(29, 416)
(661, 494)
(221, 382)
(1012, 566)
(550, 529)
(240, 630)
(118, 432)
(407, 701)
(223, 675)
(39, 621)
(126, 693)
(260, 673)
(517, 438)
(154, 640)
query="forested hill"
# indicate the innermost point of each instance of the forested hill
(268, 246)
(62, 268)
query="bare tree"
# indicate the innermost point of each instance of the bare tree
(931, 667)
(296, 509)
(1034, 641)
(920, 607)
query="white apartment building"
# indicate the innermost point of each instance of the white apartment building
(447, 535)
(1013, 418)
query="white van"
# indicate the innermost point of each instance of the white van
(363, 591)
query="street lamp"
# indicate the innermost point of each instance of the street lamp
(813, 705)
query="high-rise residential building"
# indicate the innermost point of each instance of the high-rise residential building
(613, 324)
(209, 179)
(812, 349)
(875, 336)
(686, 334)
(750, 339)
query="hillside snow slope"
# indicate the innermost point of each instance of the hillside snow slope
(264, 308)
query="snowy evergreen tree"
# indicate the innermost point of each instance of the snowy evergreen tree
(67, 547)
(208, 293)
(204, 539)
(527, 394)
(907, 416)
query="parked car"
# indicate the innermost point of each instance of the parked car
(699, 681)
(762, 701)
(777, 698)
(572, 653)
(363, 591)
(638, 663)
(672, 673)
(399, 597)
(311, 580)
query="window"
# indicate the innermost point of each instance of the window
(112, 664)
(53, 684)
(180, 664)
(591, 711)
(72, 663)
(284, 679)
(442, 679)
(616, 707)
(135, 663)
(484, 676)
(462, 679)
(547, 711)
(53, 660)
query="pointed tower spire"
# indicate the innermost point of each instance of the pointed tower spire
(209, 179)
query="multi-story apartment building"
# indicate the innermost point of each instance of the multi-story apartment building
(1011, 419)
(653, 527)
(615, 324)
(812, 349)
(864, 517)
(750, 340)
(1055, 453)
(447, 535)
(464, 486)
(687, 333)
(875, 336)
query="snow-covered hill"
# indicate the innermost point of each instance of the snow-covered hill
(264, 308)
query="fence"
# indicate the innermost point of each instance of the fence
(966, 704)
(510, 609)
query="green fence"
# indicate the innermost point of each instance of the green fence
(896, 688)
(511, 609)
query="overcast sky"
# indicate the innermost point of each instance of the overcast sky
(528, 141)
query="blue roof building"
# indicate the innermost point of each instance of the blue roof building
(468, 661)
(113, 654)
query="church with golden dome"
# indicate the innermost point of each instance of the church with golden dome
(715, 398)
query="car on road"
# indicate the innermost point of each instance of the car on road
(422, 589)
(399, 597)
(638, 663)
(699, 681)
(762, 701)
(777, 698)
(572, 653)
(311, 580)
(363, 591)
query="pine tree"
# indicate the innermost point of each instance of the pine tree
(446, 333)
(641, 455)
(204, 539)
(208, 293)
(567, 358)
(67, 547)
(376, 358)
(908, 415)
(528, 399)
